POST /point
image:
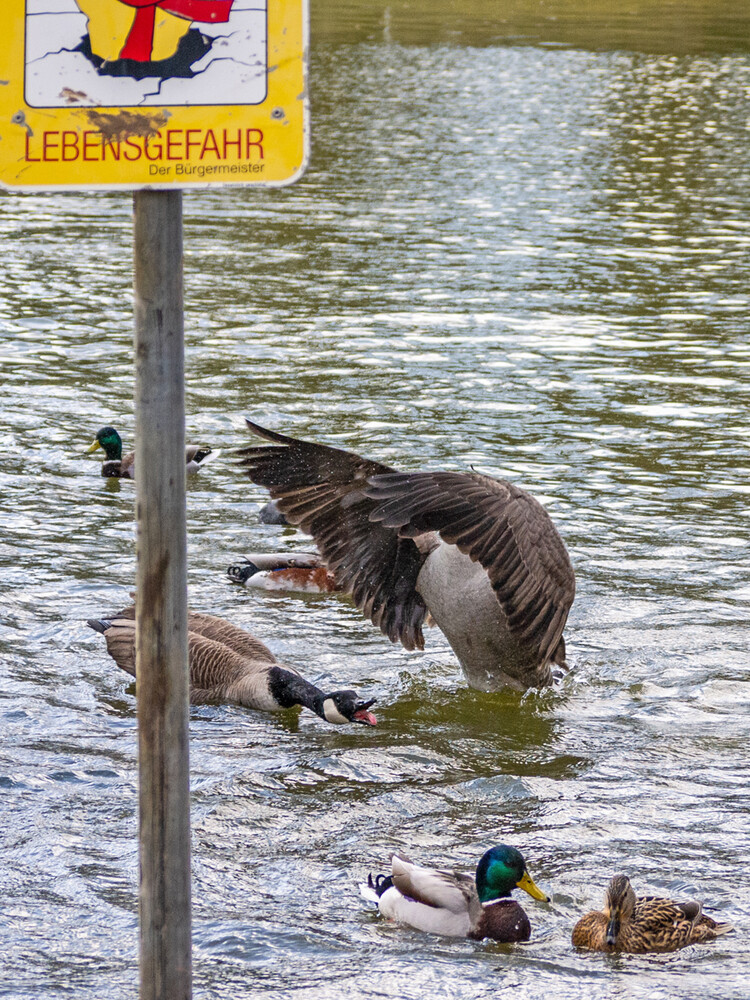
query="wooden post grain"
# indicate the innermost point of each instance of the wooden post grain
(161, 600)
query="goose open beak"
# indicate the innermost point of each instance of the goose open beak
(361, 714)
(527, 883)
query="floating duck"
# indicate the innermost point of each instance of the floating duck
(643, 924)
(300, 571)
(479, 554)
(454, 904)
(229, 665)
(123, 467)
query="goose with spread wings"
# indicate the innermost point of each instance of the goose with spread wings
(479, 554)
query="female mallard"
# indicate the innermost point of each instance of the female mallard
(479, 554)
(123, 467)
(643, 924)
(454, 904)
(228, 664)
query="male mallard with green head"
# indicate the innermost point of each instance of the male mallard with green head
(119, 466)
(455, 904)
(643, 924)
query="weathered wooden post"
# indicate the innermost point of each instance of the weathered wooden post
(161, 599)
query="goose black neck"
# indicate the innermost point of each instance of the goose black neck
(288, 689)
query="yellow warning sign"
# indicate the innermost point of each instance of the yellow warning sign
(152, 93)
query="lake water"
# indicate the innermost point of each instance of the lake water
(522, 244)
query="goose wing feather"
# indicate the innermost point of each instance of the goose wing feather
(220, 630)
(498, 525)
(323, 491)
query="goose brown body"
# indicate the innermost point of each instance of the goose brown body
(644, 924)
(228, 664)
(479, 554)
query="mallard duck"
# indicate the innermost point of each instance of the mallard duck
(643, 924)
(454, 904)
(228, 664)
(479, 554)
(301, 571)
(119, 466)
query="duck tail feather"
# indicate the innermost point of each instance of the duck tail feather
(720, 929)
(367, 891)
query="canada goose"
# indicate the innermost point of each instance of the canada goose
(480, 554)
(302, 571)
(638, 925)
(228, 664)
(123, 467)
(457, 905)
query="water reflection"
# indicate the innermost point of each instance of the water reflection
(525, 259)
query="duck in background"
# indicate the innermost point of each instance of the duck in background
(229, 665)
(300, 571)
(457, 905)
(643, 924)
(119, 466)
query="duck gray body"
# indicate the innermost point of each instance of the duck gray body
(229, 665)
(479, 554)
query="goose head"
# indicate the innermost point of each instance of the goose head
(340, 707)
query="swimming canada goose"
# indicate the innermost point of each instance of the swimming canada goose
(123, 467)
(479, 554)
(301, 571)
(457, 905)
(228, 664)
(638, 925)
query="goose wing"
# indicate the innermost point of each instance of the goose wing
(220, 630)
(324, 491)
(214, 667)
(231, 636)
(501, 527)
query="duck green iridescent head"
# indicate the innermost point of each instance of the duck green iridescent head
(108, 439)
(501, 870)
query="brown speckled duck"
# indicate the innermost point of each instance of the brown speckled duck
(454, 904)
(228, 664)
(480, 555)
(643, 924)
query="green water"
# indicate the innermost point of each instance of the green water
(521, 244)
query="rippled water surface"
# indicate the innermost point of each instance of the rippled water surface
(529, 259)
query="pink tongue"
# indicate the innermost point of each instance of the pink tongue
(364, 716)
